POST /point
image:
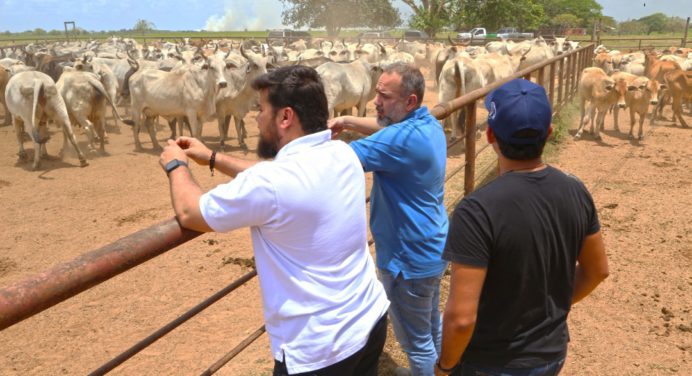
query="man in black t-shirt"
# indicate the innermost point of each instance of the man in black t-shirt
(524, 248)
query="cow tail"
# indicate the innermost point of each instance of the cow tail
(38, 88)
(96, 84)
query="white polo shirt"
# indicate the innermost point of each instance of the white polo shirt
(306, 212)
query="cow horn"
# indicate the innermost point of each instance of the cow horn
(242, 52)
(382, 49)
(451, 43)
(229, 52)
(216, 49)
(526, 53)
(177, 49)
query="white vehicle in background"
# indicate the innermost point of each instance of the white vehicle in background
(475, 33)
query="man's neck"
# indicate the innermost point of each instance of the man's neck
(511, 165)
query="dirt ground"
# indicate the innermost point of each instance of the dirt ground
(637, 323)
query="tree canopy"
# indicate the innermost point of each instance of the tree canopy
(494, 14)
(430, 15)
(334, 15)
(142, 26)
(586, 11)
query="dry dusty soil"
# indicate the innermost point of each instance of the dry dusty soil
(637, 323)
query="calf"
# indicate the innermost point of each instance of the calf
(604, 61)
(601, 92)
(641, 92)
(679, 85)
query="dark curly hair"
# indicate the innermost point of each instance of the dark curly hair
(300, 88)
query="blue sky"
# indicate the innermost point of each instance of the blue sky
(21, 15)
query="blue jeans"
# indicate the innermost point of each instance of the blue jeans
(415, 316)
(549, 369)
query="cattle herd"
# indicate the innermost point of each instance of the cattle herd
(72, 84)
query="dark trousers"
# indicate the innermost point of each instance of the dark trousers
(362, 363)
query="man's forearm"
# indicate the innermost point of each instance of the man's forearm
(232, 166)
(185, 194)
(362, 125)
(455, 339)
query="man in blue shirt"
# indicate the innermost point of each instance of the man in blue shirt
(406, 150)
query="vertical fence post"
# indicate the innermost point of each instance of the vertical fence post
(684, 39)
(575, 75)
(540, 78)
(568, 88)
(561, 81)
(470, 167)
(551, 86)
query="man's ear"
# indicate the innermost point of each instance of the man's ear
(286, 117)
(411, 102)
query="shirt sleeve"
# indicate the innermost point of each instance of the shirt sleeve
(379, 152)
(248, 200)
(469, 240)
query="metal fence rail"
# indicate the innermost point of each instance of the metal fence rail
(35, 294)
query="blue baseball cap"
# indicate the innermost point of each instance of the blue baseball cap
(519, 105)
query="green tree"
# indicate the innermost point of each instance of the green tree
(494, 14)
(430, 15)
(674, 24)
(632, 27)
(143, 26)
(655, 22)
(587, 11)
(565, 20)
(334, 15)
(39, 31)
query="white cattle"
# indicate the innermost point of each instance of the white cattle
(30, 96)
(188, 91)
(458, 76)
(238, 97)
(349, 85)
(85, 98)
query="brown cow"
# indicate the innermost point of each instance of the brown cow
(604, 61)
(641, 91)
(679, 85)
(655, 69)
(602, 92)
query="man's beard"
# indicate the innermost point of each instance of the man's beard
(387, 120)
(267, 147)
(384, 121)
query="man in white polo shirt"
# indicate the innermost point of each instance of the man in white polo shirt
(324, 309)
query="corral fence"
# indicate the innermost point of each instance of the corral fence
(26, 298)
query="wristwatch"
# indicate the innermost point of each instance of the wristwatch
(172, 165)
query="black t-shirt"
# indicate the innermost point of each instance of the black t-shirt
(527, 229)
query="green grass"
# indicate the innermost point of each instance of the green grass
(562, 122)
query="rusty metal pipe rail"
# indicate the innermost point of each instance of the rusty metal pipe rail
(42, 291)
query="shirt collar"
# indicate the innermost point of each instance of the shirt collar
(304, 142)
(417, 113)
